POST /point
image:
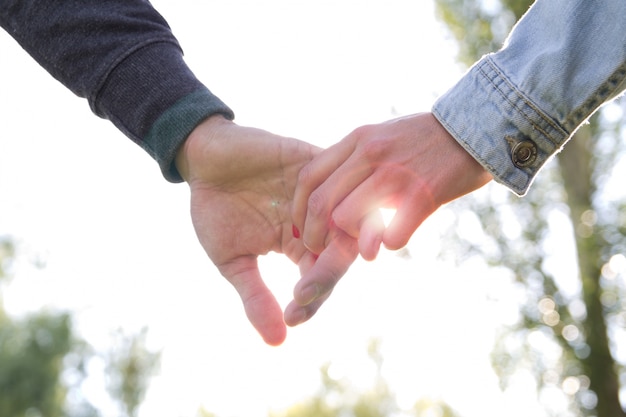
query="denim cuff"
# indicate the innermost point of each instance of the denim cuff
(499, 126)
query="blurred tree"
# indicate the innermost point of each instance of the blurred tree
(42, 362)
(31, 363)
(572, 312)
(338, 398)
(430, 408)
(203, 412)
(32, 356)
(7, 252)
(130, 366)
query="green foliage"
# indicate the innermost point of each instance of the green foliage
(7, 252)
(430, 408)
(42, 360)
(32, 352)
(202, 412)
(563, 332)
(478, 26)
(31, 363)
(130, 366)
(339, 398)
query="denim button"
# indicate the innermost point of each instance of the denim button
(524, 153)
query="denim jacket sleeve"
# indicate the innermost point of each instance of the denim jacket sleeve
(122, 56)
(517, 107)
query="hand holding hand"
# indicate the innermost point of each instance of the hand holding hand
(411, 164)
(242, 182)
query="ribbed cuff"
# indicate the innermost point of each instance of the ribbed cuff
(174, 126)
(153, 97)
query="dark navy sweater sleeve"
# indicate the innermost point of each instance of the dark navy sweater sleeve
(123, 58)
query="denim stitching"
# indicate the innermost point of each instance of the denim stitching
(606, 90)
(527, 104)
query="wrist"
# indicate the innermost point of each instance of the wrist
(195, 146)
(468, 173)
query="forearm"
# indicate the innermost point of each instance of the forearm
(122, 57)
(516, 108)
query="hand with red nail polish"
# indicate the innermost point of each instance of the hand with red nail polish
(242, 182)
(411, 164)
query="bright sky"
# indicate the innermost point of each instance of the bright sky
(119, 248)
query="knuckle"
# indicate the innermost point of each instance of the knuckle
(363, 131)
(317, 205)
(374, 149)
(345, 222)
(313, 246)
(394, 177)
(306, 177)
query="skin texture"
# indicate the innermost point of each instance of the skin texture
(411, 164)
(242, 182)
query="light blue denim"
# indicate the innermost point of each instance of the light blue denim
(517, 107)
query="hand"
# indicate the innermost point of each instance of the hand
(242, 182)
(411, 164)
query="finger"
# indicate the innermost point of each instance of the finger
(328, 269)
(296, 314)
(261, 307)
(314, 174)
(331, 176)
(307, 261)
(329, 195)
(409, 216)
(352, 212)
(320, 277)
(371, 235)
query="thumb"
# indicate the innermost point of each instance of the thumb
(261, 307)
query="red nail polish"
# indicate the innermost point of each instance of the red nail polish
(295, 231)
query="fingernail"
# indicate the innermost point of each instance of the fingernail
(295, 231)
(297, 317)
(309, 294)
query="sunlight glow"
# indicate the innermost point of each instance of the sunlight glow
(388, 215)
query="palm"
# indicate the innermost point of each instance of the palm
(241, 208)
